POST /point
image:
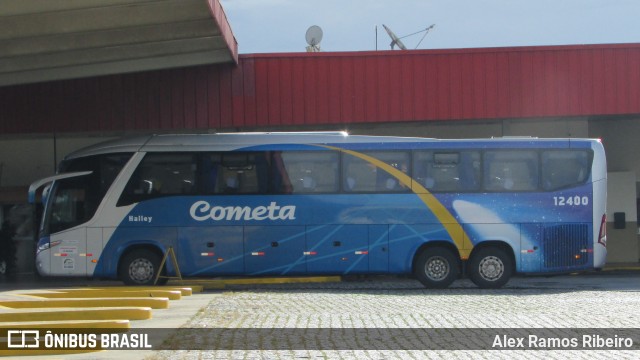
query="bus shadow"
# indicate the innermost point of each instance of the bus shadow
(384, 284)
(520, 286)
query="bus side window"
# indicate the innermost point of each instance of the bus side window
(161, 174)
(305, 172)
(388, 182)
(422, 169)
(244, 173)
(362, 176)
(359, 175)
(511, 170)
(470, 171)
(564, 168)
(449, 171)
(210, 173)
(446, 171)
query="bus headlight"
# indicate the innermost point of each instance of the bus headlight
(47, 245)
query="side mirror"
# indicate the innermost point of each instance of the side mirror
(45, 193)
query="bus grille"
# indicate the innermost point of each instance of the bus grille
(566, 245)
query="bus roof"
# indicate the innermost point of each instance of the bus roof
(233, 141)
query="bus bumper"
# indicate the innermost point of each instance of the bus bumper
(599, 255)
(43, 256)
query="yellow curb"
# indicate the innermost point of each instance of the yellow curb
(184, 290)
(68, 324)
(206, 284)
(213, 284)
(622, 268)
(170, 294)
(284, 280)
(121, 313)
(175, 284)
(154, 303)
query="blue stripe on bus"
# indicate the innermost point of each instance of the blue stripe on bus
(402, 223)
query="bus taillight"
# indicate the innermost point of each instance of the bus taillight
(602, 236)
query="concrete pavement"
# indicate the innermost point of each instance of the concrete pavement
(213, 308)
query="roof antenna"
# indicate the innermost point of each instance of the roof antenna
(395, 40)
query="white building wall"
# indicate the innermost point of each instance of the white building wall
(27, 159)
(622, 243)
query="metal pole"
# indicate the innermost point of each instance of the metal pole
(55, 152)
(376, 37)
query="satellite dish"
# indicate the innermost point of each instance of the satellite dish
(394, 39)
(313, 37)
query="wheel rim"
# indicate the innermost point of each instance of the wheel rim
(491, 268)
(141, 270)
(436, 268)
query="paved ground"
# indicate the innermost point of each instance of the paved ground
(604, 300)
(586, 301)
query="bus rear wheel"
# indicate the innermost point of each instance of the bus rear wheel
(139, 267)
(490, 268)
(436, 268)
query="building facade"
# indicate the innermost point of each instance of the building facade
(559, 91)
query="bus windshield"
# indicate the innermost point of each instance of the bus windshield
(74, 201)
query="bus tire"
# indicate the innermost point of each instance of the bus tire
(436, 268)
(139, 267)
(490, 268)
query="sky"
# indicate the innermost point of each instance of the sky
(274, 26)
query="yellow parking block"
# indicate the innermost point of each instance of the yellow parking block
(58, 294)
(121, 313)
(154, 303)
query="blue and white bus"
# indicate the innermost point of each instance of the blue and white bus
(325, 203)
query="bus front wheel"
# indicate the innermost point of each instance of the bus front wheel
(436, 268)
(490, 268)
(139, 267)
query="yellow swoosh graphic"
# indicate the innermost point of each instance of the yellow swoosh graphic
(451, 225)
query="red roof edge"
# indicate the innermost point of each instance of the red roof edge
(506, 49)
(220, 18)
